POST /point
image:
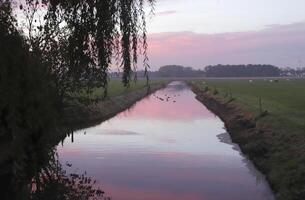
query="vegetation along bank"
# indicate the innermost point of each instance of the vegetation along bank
(78, 114)
(266, 118)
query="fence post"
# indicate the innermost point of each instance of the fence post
(230, 93)
(260, 105)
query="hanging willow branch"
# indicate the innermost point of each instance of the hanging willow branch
(95, 35)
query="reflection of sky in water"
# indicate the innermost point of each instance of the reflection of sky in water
(163, 148)
(152, 108)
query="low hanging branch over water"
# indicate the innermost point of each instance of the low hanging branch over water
(79, 40)
(50, 49)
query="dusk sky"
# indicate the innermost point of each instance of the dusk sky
(201, 32)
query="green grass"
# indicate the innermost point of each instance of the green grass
(116, 88)
(285, 102)
(82, 110)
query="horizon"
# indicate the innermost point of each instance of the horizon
(157, 68)
(218, 115)
(214, 32)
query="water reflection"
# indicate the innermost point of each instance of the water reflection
(166, 147)
(163, 106)
(32, 171)
(259, 177)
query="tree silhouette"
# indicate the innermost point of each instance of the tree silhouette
(62, 46)
(79, 40)
(242, 71)
(48, 49)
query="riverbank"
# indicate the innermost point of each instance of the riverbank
(276, 150)
(78, 116)
(159, 143)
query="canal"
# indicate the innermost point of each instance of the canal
(168, 146)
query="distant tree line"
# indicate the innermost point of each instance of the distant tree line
(242, 71)
(170, 71)
(178, 71)
(289, 72)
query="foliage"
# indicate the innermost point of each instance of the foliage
(57, 48)
(178, 71)
(242, 71)
(79, 40)
(290, 72)
(26, 105)
(55, 183)
(62, 47)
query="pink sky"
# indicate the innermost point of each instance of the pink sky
(201, 33)
(280, 45)
(206, 32)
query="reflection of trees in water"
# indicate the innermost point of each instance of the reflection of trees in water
(176, 86)
(34, 172)
(57, 56)
(54, 183)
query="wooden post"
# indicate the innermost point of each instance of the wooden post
(260, 105)
(230, 93)
(72, 137)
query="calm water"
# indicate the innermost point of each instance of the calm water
(167, 147)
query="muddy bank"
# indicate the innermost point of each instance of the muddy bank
(253, 138)
(80, 116)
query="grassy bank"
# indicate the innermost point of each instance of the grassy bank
(115, 88)
(78, 114)
(26, 156)
(276, 143)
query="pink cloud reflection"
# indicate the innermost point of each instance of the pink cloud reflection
(184, 108)
(135, 194)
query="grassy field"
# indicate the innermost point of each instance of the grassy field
(284, 100)
(116, 88)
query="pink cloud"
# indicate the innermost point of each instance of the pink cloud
(281, 45)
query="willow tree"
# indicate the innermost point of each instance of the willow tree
(62, 46)
(55, 47)
(81, 39)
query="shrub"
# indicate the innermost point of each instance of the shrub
(206, 88)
